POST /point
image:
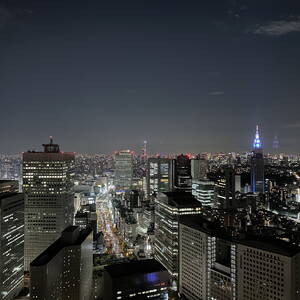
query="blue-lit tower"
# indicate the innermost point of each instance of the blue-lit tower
(257, 166)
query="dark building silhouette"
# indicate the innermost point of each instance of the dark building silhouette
(145, 279)
(64, 270)
(181, 173)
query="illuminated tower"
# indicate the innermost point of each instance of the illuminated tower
(257, 166)
(144, 151)
(145, 148)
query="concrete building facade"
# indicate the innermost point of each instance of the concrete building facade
(65, 269)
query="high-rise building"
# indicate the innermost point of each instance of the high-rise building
(257, 166)
(124, 169)
(169, 207)
(144, 279)
(144, 151)
(181, 173)
(225, 189)
(204, 191)
(267, 268)
(158, 175)
(204, 261)
(215, 265)
(199, 169)
(11, 239)
(49, 197)
(65, 269)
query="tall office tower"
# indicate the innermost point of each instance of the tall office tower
(199, 169)
(168, 209)
(65, 269)
(225, 189)
(267, 268)
(257, 166)
(49, 197)
(12, 239)
(193, 256)
(124, 170)
(144, 279)
(204, 191)
(215, 265)
(144, 151)
(181, 173)
(205, 266)
(158, 175)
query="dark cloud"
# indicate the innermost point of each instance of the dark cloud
(11, 12)
(278, 28)
(5, 15)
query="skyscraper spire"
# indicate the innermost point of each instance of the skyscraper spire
(257, 143)
(257, 166)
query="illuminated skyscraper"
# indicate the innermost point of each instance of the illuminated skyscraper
(257, 166)
(169, 208)
(225, 189)
(158, 175)
(124, 170)
(49, 197)
(144, 150)
(11, 239)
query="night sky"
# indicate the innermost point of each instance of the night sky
(187, 76)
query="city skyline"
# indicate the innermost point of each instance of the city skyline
(138, 149)
(185, 77)
(149, 150)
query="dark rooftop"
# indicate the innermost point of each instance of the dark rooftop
(266, 243)
(181, 199)
(134, 268)
(70, 228)
(59, 244)
(272, 245)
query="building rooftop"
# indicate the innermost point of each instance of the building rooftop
(204, 225)
(9, 186)
(266, 243)
(180, 199)
(7, 196)
(134, 268)
(271, 244)
(59, 244)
